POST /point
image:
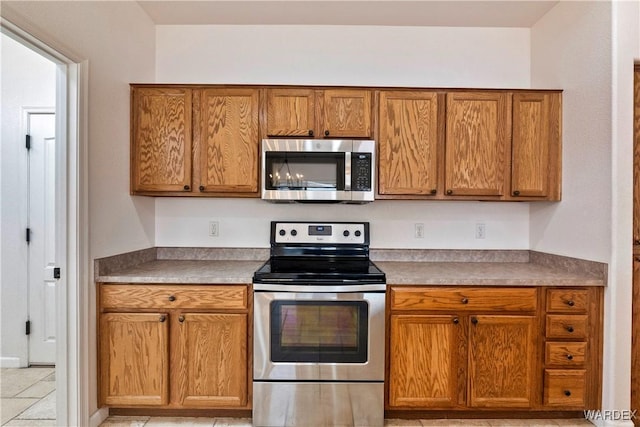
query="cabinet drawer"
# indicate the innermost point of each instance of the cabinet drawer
(566, 326)
(565, 354)
(567, 300)
(564, 387)
(463, 299)
(173, 296)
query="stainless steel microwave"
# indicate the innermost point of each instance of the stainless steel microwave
(318, 170)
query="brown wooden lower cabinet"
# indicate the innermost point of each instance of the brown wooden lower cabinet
(494, 349)
(182, 353)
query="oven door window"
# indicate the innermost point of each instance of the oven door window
(319, 331)
(304, 171)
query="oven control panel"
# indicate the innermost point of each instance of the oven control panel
(323, 233)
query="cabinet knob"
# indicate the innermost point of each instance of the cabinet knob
(570, 356)
(172, 298)
(464, 300)
(201, 188)
(516, 193)
(181, 319)
(474, 320)
(571, 303)
(162, 318)
(570, 329)
(187, 188)
(449, 192)
(434, 191)
(456, 320)
(636, 242)
(637, 258)
(326, 133)
(310, 132)
(567, 393)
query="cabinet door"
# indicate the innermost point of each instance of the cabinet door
(347, 113)
(291, 112)
(536, 145)
(477, 143)
(228, 138)
(134, 359)
(210, 360)
(408, 143)
(502, 358)
(424, 361)
(160, 139)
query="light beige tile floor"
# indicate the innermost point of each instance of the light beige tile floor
(27, 397)
(117, 421)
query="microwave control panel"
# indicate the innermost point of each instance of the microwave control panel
(361, 172)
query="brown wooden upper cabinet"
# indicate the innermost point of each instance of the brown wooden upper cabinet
(536, 146)
(228, 140)
(329, 113)
(477, 148)
(408, 143)
(194, 141)
(160, 139)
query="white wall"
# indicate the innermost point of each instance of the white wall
(344, 55)
(118, 40)
(571, 49)
(28, 80)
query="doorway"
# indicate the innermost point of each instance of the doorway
(66, 300)
(635, 319)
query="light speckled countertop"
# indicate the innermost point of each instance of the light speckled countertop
(402, 267)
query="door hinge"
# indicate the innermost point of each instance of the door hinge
(27, 330)
(28, 142)
(56, 272)
(28, 235)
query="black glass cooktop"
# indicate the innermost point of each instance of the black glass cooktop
(318, 271)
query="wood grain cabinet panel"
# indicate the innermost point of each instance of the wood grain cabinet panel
(346, 113)
(567, 300)
(502, 360)
(160, 140)
(291, 112)
(423, 361)
(477, 148)
(565, 354)
(210, 365)
(567, 326)
(463, 298)
(228, 140)
(408, 143)
(565, 388)
(535, 163)
(134, 359)
(218, 297)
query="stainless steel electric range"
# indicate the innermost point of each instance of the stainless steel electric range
(319, 305)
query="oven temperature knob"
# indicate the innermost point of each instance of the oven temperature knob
(358, 233)
(294, 232)
(345, 233)
(282, 232)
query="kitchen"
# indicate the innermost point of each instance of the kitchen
(530, 56)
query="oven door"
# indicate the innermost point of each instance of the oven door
(319, 336)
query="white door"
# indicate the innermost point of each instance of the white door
(42, 238)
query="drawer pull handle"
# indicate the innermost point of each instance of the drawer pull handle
(310, 132)
(434, 191)
(456, 320)
(162, 318)
(570, 329)
(474, 320)
(172, 298)
(570, 356)
(464, 300)
(181, 319)
(567, 393)
(327, 133)
(571, 303)
(186, 188)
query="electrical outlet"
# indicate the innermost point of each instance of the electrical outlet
(214, 228)
(419, 230)
(481, 230)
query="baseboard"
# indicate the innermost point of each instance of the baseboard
(611, 423)
(98, 417)
(11, 362)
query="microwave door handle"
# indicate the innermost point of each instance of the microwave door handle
(347, 171)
